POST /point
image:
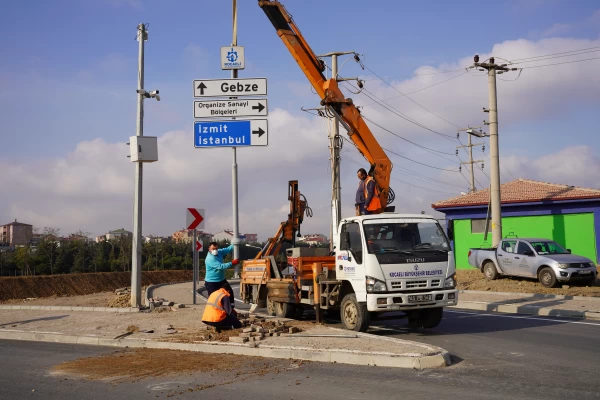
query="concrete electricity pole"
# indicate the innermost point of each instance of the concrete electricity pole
(334, 147)
(136, 248)
(234, 175)
(470, 162)
(491, 68)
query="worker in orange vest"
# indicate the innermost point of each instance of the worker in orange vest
(219, 311)
(370, 194)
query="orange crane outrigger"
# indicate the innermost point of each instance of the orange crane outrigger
(332, 97)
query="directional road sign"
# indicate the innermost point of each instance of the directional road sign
(230, 108)
(230, 87)
(231, 133)
(194, 218)
(198, 245)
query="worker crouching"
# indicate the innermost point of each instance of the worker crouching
(219, 311)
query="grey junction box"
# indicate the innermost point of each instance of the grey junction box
(143, 148)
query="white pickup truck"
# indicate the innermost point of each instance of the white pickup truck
(543, 259)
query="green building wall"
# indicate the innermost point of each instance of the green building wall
(573, 231)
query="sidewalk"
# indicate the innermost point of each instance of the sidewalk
(530, 304)
(182, 329)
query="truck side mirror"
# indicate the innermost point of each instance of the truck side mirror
(569, 251)
(528, 253)
(345, 243)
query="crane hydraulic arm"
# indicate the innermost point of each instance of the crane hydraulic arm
(331, 96)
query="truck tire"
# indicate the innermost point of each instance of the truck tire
(298, 311)
(354, 315)
(270, 307)
(283, 310)
(431, 317)
(547, 277)
(489, 271)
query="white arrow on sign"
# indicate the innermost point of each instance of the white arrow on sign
(230, 108)
(194, 218)
(230, 87)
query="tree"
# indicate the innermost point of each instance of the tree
(48, 246)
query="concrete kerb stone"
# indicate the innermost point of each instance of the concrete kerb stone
(341, 356)
(532, 296)
(71, 308)
(522, 309)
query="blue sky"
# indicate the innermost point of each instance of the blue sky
(68, 71)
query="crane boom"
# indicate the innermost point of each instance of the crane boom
(331, 96)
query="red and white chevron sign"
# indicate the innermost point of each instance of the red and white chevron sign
(194, 218)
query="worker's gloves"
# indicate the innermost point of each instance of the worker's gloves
(235, 262)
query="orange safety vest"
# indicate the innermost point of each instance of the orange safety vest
(214, 311)
(375, 203)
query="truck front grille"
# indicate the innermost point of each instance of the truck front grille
(421, 284)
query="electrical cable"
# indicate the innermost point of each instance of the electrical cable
(555, 55)
(308, 211)
(565, 62)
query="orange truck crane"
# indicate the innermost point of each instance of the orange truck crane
(381, 262)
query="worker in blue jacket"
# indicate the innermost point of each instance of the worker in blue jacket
(215, 270)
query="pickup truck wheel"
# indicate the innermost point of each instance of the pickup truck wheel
(547, 277)
(283, 310)
(270, 307)
(355, 316)
(489, 270)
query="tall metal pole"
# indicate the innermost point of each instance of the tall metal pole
(336, 199)
(234, 174)
(494, 159)
(194, 265)
(472, 189)
(136, 248)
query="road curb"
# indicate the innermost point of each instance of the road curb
(71, 308)
(534, 296)
(525, 309)
(340, 356)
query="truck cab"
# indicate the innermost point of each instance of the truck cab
(397, 262)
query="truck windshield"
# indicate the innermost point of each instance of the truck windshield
(548, 247)
(413, 237)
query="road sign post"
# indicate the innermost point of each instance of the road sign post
(231, 133)
(230, 87)
(230, 108)
(195, 267)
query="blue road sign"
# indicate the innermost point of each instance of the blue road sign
(231, 133)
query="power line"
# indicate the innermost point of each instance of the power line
(596, 48)
(409, 141)
(420, 105)
(435, 84)
(565, 62)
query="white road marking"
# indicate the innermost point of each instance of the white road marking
(518, 317)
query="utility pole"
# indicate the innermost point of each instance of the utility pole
(471, 162)
(491, 68)
(334, 148)
(136, 246)
(136, 253)
(234, 175)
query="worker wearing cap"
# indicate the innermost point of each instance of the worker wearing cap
(215, 270)
(219, 311)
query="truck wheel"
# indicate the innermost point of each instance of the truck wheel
(355, 316)
(298, 311)
(489, 270)
(431, 317)
(283, 310)
(547, 277)
(270, 307)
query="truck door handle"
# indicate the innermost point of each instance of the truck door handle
(500, 255)
(517, 258)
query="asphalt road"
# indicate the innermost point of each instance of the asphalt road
(495, 356)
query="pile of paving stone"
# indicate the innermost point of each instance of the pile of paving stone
(159, 304)
(256, 329)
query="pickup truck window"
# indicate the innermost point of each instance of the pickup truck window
(523, 247)
(509, 246)
(548, 247)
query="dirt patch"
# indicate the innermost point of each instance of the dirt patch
(24, 287)
(137, 364)
(474, 280)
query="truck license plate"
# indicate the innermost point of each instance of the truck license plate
(419, 297)
(585, 272)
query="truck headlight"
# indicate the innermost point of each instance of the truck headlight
(375, 285)
(450, 282)
(561, 265)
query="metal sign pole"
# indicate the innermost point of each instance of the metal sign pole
(194, 265)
